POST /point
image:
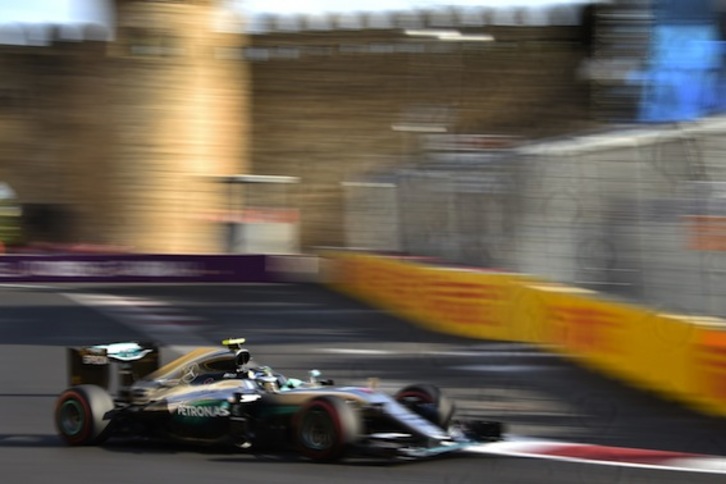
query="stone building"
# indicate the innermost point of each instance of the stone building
(123, 141)
(332, 105)
(120, 142)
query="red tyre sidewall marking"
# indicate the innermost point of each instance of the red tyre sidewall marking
(87, 422)
(615, 454)
(333, 414)
(424, 397)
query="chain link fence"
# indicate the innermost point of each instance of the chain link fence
(639, 212)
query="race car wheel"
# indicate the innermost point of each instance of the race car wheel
(429, 402)
(325, 428)
(81, 415)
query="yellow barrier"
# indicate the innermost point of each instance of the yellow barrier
(680, 357)
(647, 349)
(456, 301)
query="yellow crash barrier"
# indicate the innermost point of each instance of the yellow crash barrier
(680, 357)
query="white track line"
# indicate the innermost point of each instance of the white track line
(538, 449)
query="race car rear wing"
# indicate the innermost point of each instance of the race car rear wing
(91, 364)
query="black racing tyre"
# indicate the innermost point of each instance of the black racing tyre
(325, 427)
(81, 415)
(429, 402)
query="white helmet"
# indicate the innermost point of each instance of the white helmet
(241, 357)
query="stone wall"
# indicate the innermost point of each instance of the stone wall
(55, 138)
(181, 120)
(125, 140)
(329, 106)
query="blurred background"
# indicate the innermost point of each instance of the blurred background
(581, 141)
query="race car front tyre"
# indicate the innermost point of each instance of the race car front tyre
(429, 402)
(82, 415)
(325, 428)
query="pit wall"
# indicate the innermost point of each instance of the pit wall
(682, 358)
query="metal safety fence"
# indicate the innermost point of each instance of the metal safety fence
(636, 212)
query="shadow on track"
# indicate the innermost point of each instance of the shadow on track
(227, 454)
(17, 440)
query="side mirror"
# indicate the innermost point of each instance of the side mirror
(316, 380)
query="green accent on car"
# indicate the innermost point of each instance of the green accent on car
(72, 417)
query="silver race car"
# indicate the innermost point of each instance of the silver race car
(218, 396)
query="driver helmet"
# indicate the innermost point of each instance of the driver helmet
(241, 357)
(267, 380)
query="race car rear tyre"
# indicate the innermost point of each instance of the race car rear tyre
(429, 402)
(82, 415)
(325, 427)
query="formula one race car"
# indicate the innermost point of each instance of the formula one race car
(218, 396)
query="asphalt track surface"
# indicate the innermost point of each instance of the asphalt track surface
(298, 327)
